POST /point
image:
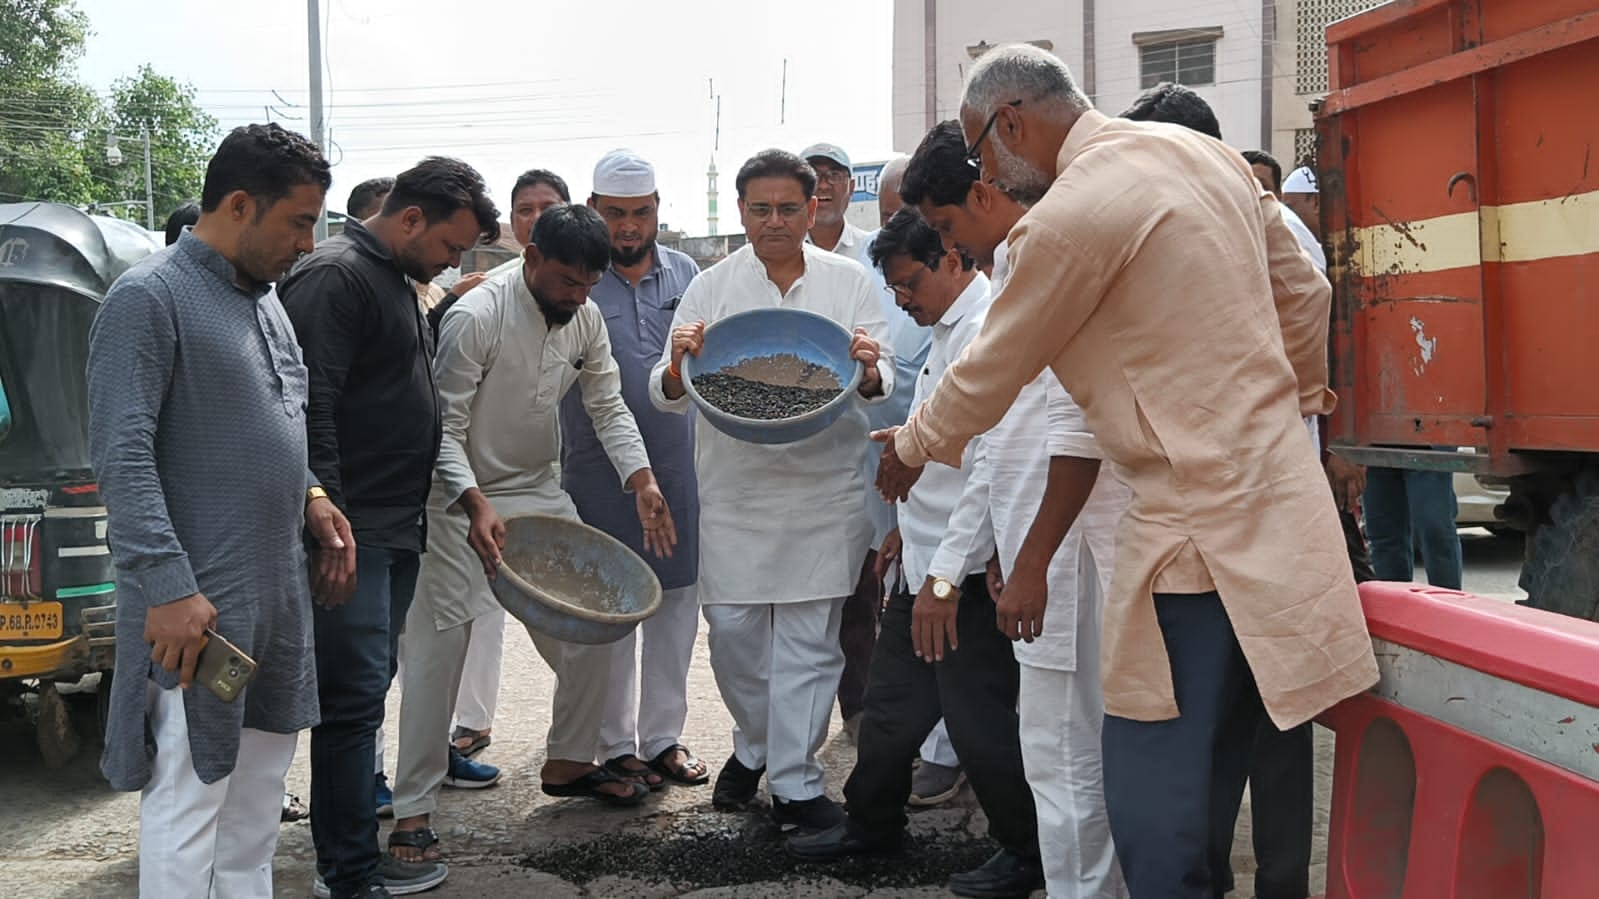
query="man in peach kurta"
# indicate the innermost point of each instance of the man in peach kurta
(1140, 276)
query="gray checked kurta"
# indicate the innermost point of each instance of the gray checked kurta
(197, 432)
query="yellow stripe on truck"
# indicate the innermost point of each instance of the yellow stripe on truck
(1517, 232)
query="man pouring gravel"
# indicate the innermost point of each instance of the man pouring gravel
(783, 530)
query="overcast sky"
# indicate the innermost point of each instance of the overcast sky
(520, 85)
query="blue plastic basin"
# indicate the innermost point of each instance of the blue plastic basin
(767, 332)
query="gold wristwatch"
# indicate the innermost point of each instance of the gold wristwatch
(944, 590)
(315, 493)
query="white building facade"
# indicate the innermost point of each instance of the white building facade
(1259, 63)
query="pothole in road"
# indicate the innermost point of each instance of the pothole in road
(714, 850)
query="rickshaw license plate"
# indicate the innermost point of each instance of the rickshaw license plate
(35, 621)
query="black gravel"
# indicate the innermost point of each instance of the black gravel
(728, 850)
(755, 399)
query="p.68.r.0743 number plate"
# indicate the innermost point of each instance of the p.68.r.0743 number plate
(35, 621)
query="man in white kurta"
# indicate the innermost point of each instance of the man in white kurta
(1060, 702)
(940, 613)
(783, 531)
(504, 361)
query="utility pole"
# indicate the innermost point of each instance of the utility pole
(318, 135)
(149, 180)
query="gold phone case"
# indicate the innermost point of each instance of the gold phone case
(222, 668)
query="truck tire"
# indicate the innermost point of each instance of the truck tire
(1562, 569)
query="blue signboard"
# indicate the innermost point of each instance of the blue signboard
(866, 182)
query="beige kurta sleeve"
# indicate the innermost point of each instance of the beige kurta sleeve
(466, 346)
(1056, 283)
(1304, 309)
(600, 382)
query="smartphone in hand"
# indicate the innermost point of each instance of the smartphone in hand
(223, 668)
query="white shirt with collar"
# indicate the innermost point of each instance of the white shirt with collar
(853, 243)
(781, 523)
(1013, 458)
(910, 342)
(944, 523)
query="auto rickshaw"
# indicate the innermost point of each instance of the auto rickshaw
(57, 586)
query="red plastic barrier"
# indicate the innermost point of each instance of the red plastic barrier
(1472, 770)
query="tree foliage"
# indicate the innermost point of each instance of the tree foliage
(54, 130)
(182, 136)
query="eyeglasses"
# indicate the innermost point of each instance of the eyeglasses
(908, 289)
(835, 176)
(974, 156)
(763, 211)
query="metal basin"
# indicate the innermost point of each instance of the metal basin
(573, 582)
(757, 333)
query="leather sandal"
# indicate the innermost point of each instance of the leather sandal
(660, 766)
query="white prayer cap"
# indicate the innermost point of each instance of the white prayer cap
(623, 173)
(1300, 181)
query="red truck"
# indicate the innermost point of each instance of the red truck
(1459, 172)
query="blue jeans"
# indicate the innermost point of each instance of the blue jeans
(356, 658)
(1406, 507)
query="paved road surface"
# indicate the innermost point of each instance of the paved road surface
(69, 836)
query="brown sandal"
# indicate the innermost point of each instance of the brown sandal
(469, 742)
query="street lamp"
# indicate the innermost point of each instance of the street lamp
(113, 155)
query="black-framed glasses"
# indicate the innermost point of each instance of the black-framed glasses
(974, 157)
(908, 289)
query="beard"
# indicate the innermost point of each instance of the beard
(1018, 178)
(409, 261)
(257, 262)
(554, 313)
(629, 258)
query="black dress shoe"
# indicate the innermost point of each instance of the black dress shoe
(736, 786)
(1004, 875)
(839, 841)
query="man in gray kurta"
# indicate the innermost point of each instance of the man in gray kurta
(642, 733)
(197, 431)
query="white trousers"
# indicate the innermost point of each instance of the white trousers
(938, 749)
(209, 841)
(648, 701)
(480, 679)
(777, 666)
(1061, 714)
(431, 678)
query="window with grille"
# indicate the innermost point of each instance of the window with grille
(1185, 56)
(1311, 37)
(1304, 148)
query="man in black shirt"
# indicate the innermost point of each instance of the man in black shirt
(374, 431)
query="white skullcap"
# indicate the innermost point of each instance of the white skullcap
(623, 173)
(1300, 181)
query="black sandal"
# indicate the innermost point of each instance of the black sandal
(588, 787)
(421, 839)
(293, 809)
(619, 767)
(659, 766)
